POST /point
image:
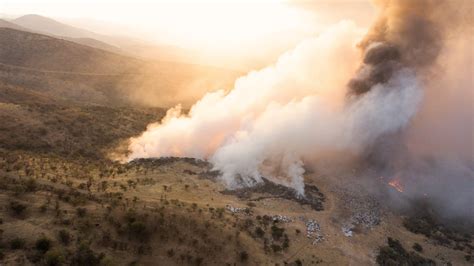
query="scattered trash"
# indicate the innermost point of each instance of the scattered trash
(282, 218)
(347, 230)
(364, 210)
(236, 209)
(313, 231)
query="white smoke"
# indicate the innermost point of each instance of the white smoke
(275, 118)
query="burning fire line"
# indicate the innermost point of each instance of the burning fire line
(395, 183)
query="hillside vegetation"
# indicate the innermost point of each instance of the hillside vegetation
(65, 69)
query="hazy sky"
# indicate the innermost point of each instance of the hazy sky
(239, 28)
(226, 21)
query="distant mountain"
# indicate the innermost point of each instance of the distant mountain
(62, 68)
(43, 52)
(52, 27)
(95, 44)
(7, 24)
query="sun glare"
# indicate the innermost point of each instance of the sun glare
(224, 25)
(198, 24)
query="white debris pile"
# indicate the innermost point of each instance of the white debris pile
(368, 217)
(347, 230)
(313, 231)
(282, 218)
(364, 209)
(236, 209)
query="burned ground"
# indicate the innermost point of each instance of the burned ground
(267, 189)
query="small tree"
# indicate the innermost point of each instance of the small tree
(81, 212)
(244, 256)
(43, 244)
(54, 257)
(17, 207)
(17, 243)
(64, 237)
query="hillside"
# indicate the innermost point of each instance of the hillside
(95, 44)
(52, 27)
(7, 24)
(83, 211)
(38, 51)
(65, 201)
(77, 72)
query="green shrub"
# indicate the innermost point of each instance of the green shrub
(81, 212)
(85, 256)
(244, 256)
(17, 208)
(417, 247)
(64, 236)
(17, 243)
(43, 244)
(277, 232)
(30, 185)
(395, 254)
(54, 258)
(276, 248)
(259, 232)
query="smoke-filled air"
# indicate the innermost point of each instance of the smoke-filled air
(344, 90)
(237, 132)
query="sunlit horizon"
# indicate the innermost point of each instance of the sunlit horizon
(214, 28)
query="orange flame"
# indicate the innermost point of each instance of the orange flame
(395, 183)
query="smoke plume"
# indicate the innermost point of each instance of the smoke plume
(319, 98)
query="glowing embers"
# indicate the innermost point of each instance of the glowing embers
(396, 184)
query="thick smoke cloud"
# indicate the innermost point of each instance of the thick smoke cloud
(275, 118)
(406, 34)
(434, 157)
(322, 97)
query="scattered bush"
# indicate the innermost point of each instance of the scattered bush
(138, 229)
(43, 208)
(85, 256)
(244, 256)
(277, 232)
(286, 242)
(17, 208)
(43, 244)
(468, 257)
(417, 247)
(428, 226)
(395, 254)
(81, 212)
(276, 248)
(259, 232)
(17, 243)
(136, 226)
(64, 236)
(54, 258)
(30, 185)
(251, 204)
